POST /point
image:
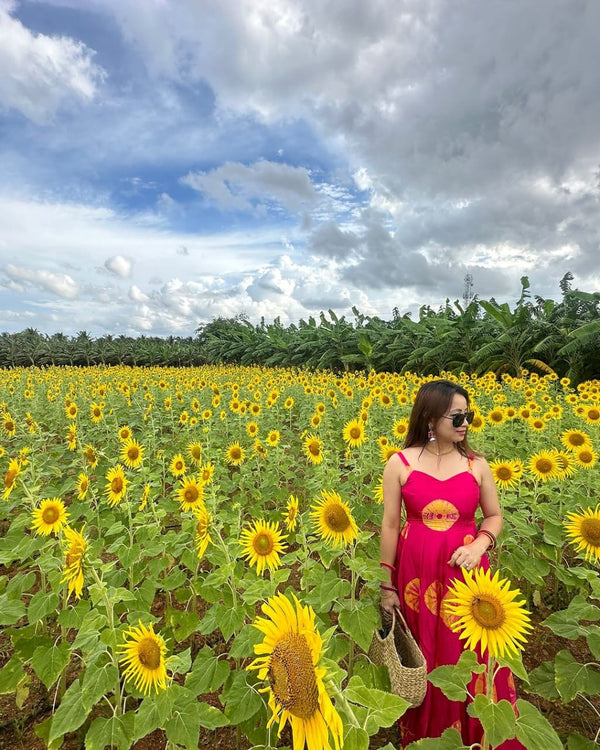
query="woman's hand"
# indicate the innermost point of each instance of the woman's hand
(389, 600)
(467, 556)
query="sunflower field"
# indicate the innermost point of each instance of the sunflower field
(192, 555)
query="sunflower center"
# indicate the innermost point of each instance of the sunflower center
(133, 453)
(355, 433)
(9, 426)
(544, 466)
(263, 544)
(292, 676)
(336, 518)
(9, 478)
(196, 453)
(585, 457)
(590, 531)
(149, 653)
(594, 414)
(488, 612)
(50, 514)
(236, 453)
(314, 448)
(191, 494)
(504, 473)
(117, 485)
(576, 439)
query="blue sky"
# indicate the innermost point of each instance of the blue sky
(165, 162)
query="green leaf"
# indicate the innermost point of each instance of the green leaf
(355, 738)
(40, 605)
(570, 675)
(230, 621)
(542, 681)
(208, 672)
(360, 624)
(515, 664)
(566, 622)
(19, 583)
(147, 718)
(577, 742)
(183, 624)
(97, 681)
(11, 675)
(210, 717)
(450, 740)
(593, 640)
(116, 731)
(48, 663)
(73, 616)
(25, 646)
(383, 708)
(553, 533)
(497, 719)
(452, 680)
(244, 642)
(11, 610)
(70, 715)
(534, 730)
(179, 663)
(241, 699)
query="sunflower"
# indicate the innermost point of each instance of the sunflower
(71, 410)
(592, 415)
(497, 415)
(385, 400)
(478, 422)
(488, 612)
(91, 456)
(96, 412)
(8, 425)
(400, 428)
(190, 494)
(506, 474)
(252, 429)
(354, 433)
(289, 658)
(273, 438)
(235, 454)
(10, 477)
(378, 491)
(525, 413)
(315, 420)
(76, 545)
(206, 473)
(313, 448)
(124, 433)
(544, 466)
(145, 496)
(132, 453)
(290, 515)
(566, 463)
(83, 485)
(72, 437)
(50, 516)
(195, 453)
(537, 424)
(116, 485)
(333, 520)
(262, 543)
(584, 530)
(586, 456)
(387, 450)
(206, 414)
(202, 537)
(177, 466)
(573, 439)
(288, 403)
(144, 658)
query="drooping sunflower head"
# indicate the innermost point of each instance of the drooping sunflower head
(73, 568)
(83, 484)
(332, 520)
(235, 454)
(10, 476)
(289, 658)
(584, 531)
(488, 612)
(290, 515)
(354, 433)
(262, 544)
(191, 493)
(116, 485)
(195, 453)
(132, 453)
(313, 449)
(202, 529)
(143, 656)
(50, 516)
(91, 456)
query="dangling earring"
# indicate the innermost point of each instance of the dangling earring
(430, 434)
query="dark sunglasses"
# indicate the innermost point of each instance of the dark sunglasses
(458, 419)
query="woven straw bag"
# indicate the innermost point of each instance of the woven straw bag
(400, 653)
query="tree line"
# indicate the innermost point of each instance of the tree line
(536, 333)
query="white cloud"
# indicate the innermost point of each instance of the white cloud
(119, 265)
(39, 72)
(60, 284)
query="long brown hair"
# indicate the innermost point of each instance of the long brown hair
(431, 403)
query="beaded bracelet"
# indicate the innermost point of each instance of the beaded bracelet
(490, 536)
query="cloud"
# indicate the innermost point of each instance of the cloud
(61, 285)
(39, 72)
(118, 265)
(237, 187)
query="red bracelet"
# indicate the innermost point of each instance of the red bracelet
(388, 588)
(490, 536)
(387, 565)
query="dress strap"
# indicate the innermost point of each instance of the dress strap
(403, 457)
(471, 458)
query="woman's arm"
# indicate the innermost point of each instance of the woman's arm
(469, 555)
(390, 526)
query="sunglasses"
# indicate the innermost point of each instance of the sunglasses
(458, 419)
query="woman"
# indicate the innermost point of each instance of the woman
(442, 483)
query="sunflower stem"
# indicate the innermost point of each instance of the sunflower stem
(490, 693)
(111, 624)
(348, 710)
